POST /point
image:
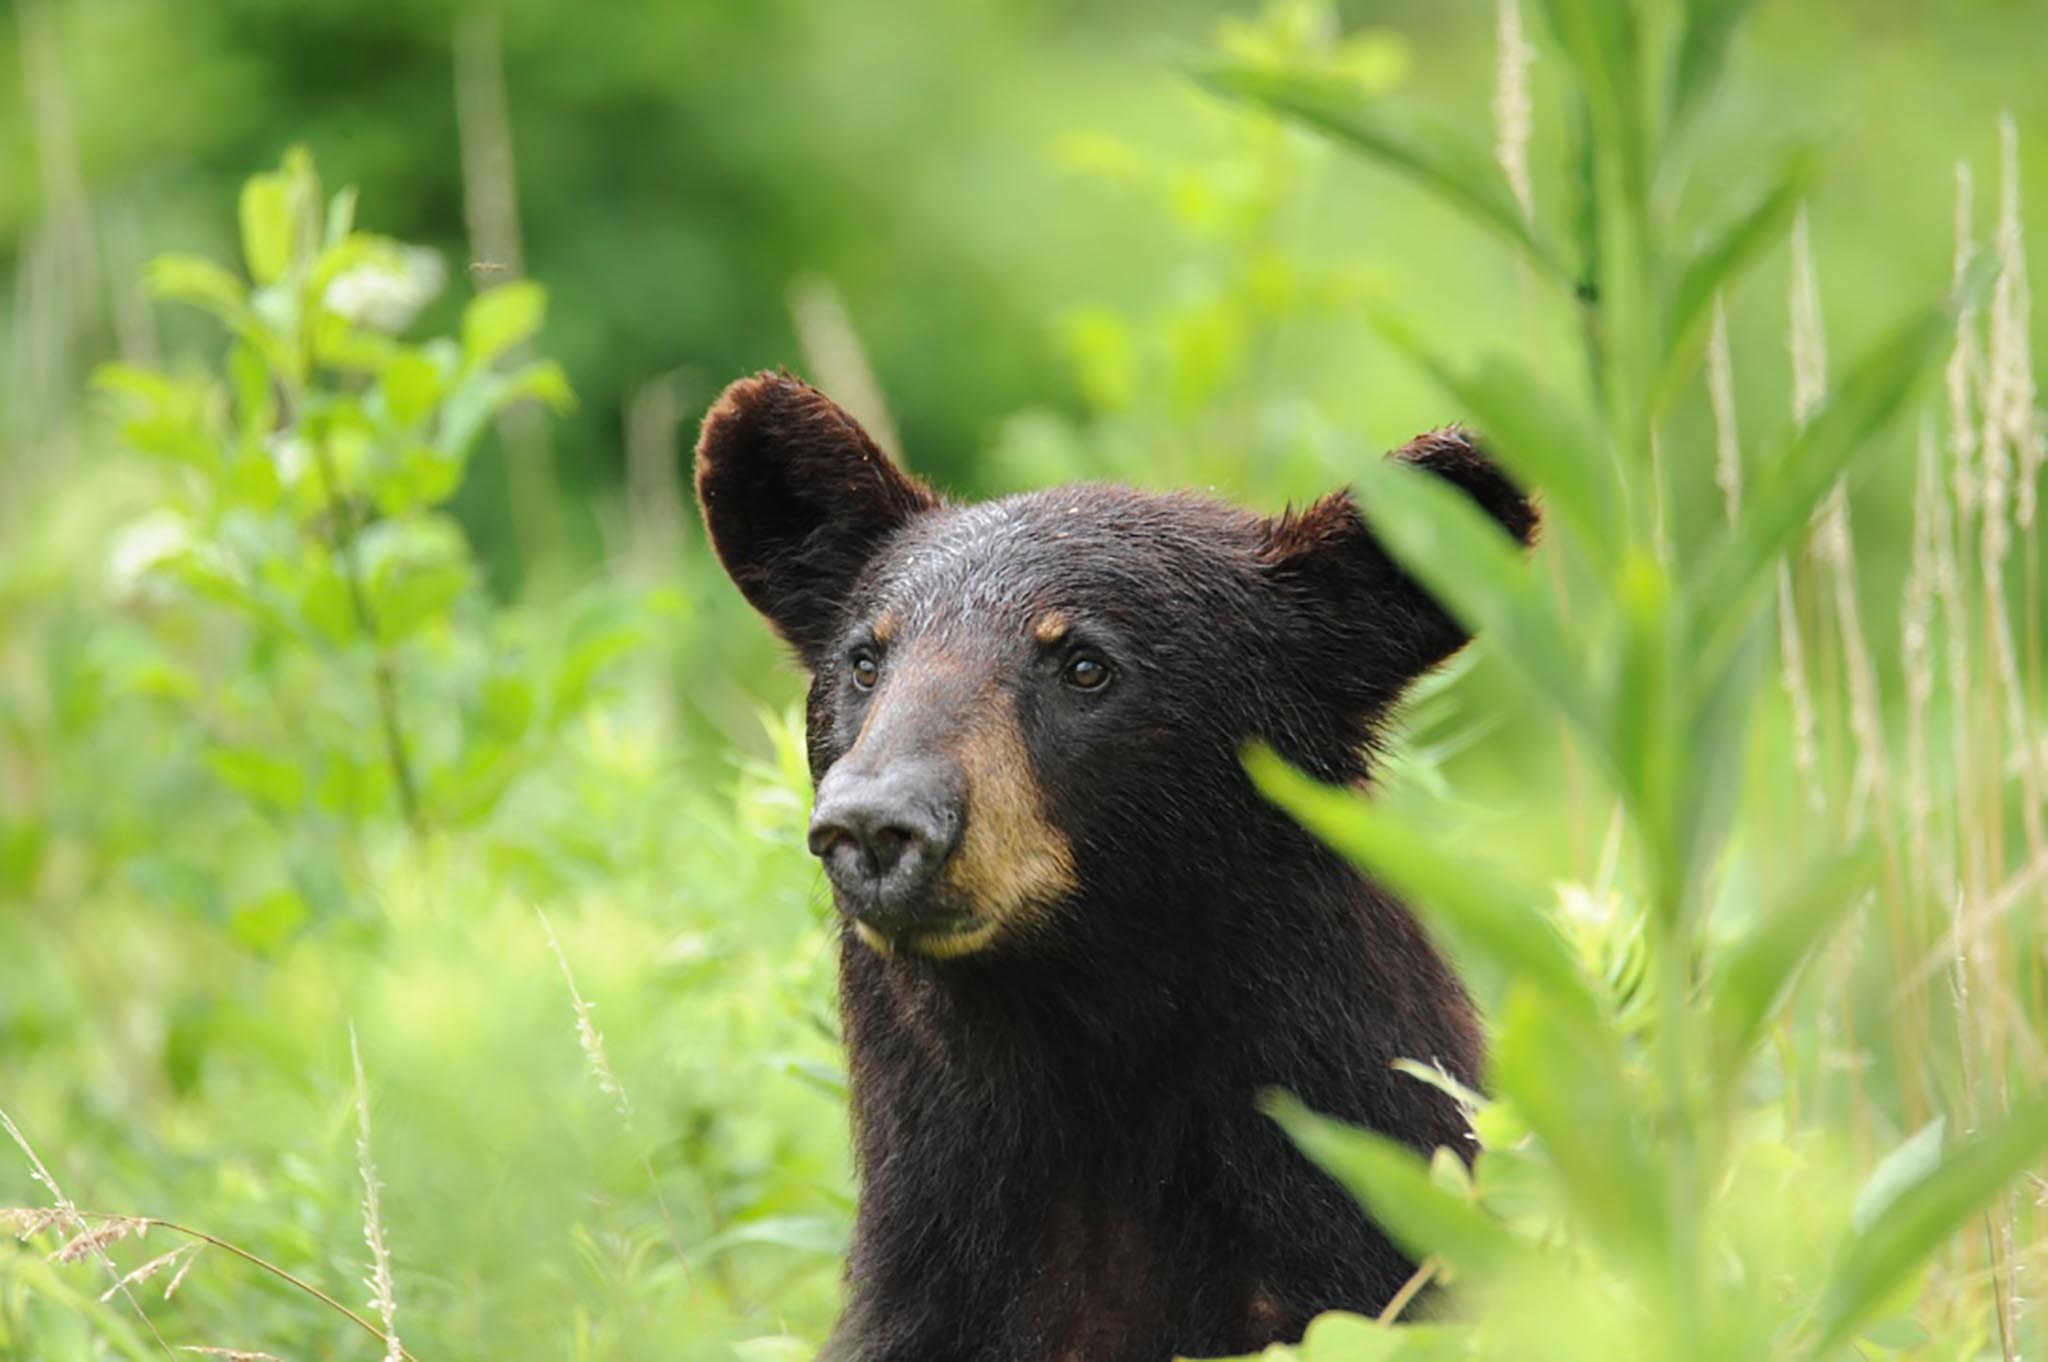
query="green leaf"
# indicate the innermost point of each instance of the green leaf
(1447, 889)
(412, 385)
(1600, 39)
(1546, 443)
(803, 1233)
(201, 283)
(1702, 50)
(1924, 1217)
(1407, 139)
(545, 382)
(1730, 248)
(1718, 727)
(262, 775)
(1560, 1071)
(1905, 1166)
(411, 599)
(1337, 1336)
(1484, 579)
(1807, 465)
(1754, 976)
(267, 227)
(1392, 1182)
(500, 318)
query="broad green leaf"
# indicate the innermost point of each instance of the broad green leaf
(1924, 1217)
(201, 283)
(1340, 1337)
(1807, 465)
(1484, 579)
(544, 381)
(1392, 1181)
(1702, 50)
(1545, 442)
(262, 775)
(1729, 248)
(410, 600)
(500, 318)
(411, 385)
(148, 389)
(1408, 139)
(420, 477)
(1444, 888)
(1558, 1067)
(1752, 979)
(267, 227)
(1905, 1166)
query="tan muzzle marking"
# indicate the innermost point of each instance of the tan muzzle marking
(1012, 863)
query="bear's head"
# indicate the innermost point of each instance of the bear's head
(1027, 713)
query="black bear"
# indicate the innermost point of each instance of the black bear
(1076, 944)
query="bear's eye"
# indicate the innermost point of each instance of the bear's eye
(1087, 673)
(866, 669)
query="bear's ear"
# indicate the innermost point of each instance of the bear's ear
(797, 499)
(1369, 622)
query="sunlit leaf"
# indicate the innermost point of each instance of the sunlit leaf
(201, 283)
(411, 385)
(545, 381)
(267, 227)
(500, 318)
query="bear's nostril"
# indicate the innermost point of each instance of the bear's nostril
(888, 846)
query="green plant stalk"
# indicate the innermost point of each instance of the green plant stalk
(383, 669)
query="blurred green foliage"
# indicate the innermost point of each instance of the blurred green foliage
(304, 713)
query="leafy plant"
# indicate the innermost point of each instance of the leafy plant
(311, 594)
(1613, 1211)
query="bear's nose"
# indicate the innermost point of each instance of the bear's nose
(884, 837)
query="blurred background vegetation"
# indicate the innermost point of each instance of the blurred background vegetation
(1016, 238)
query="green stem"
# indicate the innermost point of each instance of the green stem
(384, 670)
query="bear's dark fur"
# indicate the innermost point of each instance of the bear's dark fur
(1110, 944)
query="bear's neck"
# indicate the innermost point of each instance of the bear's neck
(1063, 1148)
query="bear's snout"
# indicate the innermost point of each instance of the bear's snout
(884, 837)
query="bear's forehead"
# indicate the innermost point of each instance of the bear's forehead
(1088, 548)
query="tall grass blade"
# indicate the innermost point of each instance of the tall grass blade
(1728, 249)
(1808, 464)
(1407, 139)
